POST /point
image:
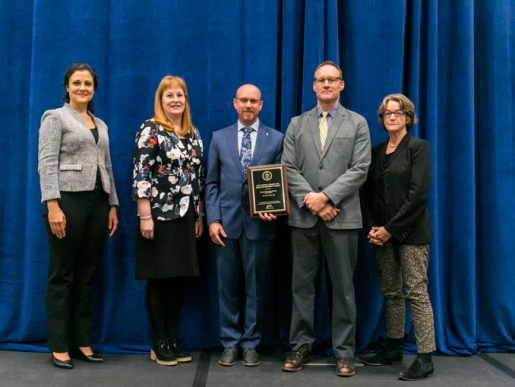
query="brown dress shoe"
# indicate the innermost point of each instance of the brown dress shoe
(297, 359)
(345, 367)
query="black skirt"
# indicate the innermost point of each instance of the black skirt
(172, 252)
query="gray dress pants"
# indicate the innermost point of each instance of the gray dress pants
(340, 249)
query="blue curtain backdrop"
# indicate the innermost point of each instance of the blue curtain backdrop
(455, 60)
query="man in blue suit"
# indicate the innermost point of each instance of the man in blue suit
(241, 241)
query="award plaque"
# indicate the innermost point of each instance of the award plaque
(268, 190)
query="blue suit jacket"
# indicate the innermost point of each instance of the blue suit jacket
(227, 194)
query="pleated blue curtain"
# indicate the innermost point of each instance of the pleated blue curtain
(453, 59)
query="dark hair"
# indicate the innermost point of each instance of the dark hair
(67, 75)
(406, 106)
(330, 63)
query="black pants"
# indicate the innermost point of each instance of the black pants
(73, 261)
(163, 298)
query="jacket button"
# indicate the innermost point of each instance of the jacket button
(386, 186)
(386, 170)
(321, 167)
(387, 202)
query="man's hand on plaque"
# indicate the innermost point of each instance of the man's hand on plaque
(267, 216)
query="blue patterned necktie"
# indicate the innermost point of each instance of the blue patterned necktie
(245, 150)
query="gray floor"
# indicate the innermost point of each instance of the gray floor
(35, 369)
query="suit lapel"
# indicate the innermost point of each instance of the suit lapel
(404, 142)
(82, 127)
(261, 143)
(232, 143)
(334, 128)
(313, 124)
(102, 134)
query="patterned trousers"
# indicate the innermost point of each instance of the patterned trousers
(409, 263)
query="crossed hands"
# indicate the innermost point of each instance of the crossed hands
(318, 204)
(378, 236)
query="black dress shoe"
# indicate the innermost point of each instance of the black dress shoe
(297, 359)
(228, 357)
(250, 357)
(383, 357)
(65, 364)
(78, 354)
(345, 367)
(418, 370)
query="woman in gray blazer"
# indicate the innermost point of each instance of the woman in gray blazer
(394, 207)
(77, 187)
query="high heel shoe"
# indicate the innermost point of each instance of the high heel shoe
(65, 364)
(78, 354)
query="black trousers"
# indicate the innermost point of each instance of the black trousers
(73, 261)
(163, 299)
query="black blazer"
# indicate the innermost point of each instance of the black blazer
(402, 209)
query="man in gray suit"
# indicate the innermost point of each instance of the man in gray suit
(327, 155)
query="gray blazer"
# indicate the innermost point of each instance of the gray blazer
(68, 156)
(338, 171)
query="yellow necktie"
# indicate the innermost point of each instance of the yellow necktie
(322, 127)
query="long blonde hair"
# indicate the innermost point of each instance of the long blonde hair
(170, 82)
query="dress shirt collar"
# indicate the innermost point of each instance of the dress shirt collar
(332, 111)
(254, 126)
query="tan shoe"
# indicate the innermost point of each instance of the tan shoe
(345, 367)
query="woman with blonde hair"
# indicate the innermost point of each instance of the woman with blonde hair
(168, 187)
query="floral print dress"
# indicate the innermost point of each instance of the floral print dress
(168, 171)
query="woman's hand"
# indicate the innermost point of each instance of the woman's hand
(56, 219)
(199, 227)
(113, 220)
(378, 236)
(147, 228)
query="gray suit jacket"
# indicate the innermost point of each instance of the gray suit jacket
(338, 171)
(69, 157)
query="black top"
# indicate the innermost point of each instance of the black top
(395, 193)
(98, 182)
(94, 132)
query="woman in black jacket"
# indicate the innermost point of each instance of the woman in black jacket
(396, 216)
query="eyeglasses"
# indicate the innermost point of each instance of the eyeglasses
(332, 81)
(388, 114)
(244, 101)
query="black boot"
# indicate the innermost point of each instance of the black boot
(162, 354)
(422, 367)
(180, 353)
(390, 354)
